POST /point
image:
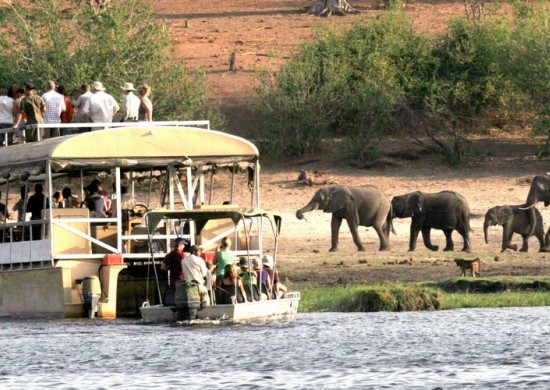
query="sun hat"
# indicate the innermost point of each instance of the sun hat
(268, 261)
(243, 263)
(256, 263)
(128, 87)
(194, 248)
(98, 86)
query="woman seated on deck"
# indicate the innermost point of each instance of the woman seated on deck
(250, 280)
(264, 284)
(279, 288)
(231, 287)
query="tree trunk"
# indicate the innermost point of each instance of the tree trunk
(329, 7)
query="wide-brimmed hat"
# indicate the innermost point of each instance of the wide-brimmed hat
(128, 87)
(256, 263)
(243, 263)
(268, 261)
(98, 86)
(194, 248)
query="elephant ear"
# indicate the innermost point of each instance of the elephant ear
(339, 199)
(504, 215)
(417, 203)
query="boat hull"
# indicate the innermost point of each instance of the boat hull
(260, 311)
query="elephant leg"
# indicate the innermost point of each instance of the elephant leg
(427, 240)
(355, 234)
(384, 242)
(449, 244)
(465, 233)
(525, 246)
(507, 234)
(546, 246)
(335, 231)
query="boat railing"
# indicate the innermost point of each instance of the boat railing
(81, 127)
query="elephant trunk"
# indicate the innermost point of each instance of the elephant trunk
(309, 207)
(485, 230)
(530, 205)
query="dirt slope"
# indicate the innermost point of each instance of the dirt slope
(263, 34)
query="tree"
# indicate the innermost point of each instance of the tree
(329, 7)
(112, 41)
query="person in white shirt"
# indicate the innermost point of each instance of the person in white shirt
(55, 105)
(101, 107)
(130, 103)
(7, 113)
(194, 270)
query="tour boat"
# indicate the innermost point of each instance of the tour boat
(69, 262)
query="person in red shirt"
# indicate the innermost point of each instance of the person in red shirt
(172, 262)
(67, 115)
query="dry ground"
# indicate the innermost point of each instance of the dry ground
(263, 34)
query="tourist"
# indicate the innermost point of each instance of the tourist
(172, 262)
(32, 106)
(231, 288)
(130, 103)
(279, 288)
(19, 135)
(7, 110)
(250, 279)
(101, 106)
(264, 280)
(67, 115)
(146, 107)
(55, 105)
(95, 202)
(35, 206)
(223, 256)
(69, 200)
(19, 206)
(194, 270)
(81, 101)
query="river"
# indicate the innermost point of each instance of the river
(455, 349)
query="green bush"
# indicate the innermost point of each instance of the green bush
(73, 43)
(382, 78)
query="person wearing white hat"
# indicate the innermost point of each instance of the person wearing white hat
(130, 103)
(101, 106)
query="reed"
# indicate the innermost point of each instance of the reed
(439, 295)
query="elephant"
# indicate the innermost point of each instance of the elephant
(445, 210)
(538, 192)
(359, 206)
(513, 219)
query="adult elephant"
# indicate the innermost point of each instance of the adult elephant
(538, 192)
(445, 210)
(359, 206)
(513, 219)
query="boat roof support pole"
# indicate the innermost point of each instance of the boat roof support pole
(119, 210)
(190, 192)
(171, 175)
(211, 185)
(233, 169)
(201, 184)
(256, 183)
(49, 210)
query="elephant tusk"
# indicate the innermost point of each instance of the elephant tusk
(527, 208)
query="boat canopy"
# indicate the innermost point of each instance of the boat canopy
(136, 148)
(202, 216)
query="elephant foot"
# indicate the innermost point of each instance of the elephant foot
(523, 250)
(467, 250)
(544, 249)
(449, 249)
(384, 249)
(333, 249)
(360, 249)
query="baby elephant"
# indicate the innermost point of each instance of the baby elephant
(513, 220)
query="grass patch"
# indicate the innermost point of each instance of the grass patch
(453, 293)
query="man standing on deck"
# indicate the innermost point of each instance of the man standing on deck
(194, 270)
(101, 106)
(130, 103)
(55, 105)
(172, 261)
